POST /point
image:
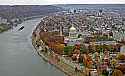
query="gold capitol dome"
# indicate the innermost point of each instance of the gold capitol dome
(72, 29)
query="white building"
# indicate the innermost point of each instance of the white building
(73, 37)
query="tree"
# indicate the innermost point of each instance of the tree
(68, 49)
(117, 73)
(79, 35)
(121, 56)
(74, 11)
(59, 48)
(83, 49)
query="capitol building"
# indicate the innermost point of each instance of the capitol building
(72, 39)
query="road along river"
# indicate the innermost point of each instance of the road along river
(19, 58)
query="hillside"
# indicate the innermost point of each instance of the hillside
(11, 16)
(22, 11)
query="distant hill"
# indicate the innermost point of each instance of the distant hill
(18, 11)
(92, 6)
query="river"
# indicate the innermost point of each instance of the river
(19, 58)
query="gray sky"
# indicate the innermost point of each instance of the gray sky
(46, 2)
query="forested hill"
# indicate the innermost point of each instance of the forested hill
(17, 11)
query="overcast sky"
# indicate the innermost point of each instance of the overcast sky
(46, 2)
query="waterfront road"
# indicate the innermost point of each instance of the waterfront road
(18, 57)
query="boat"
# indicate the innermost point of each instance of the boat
(21, 28)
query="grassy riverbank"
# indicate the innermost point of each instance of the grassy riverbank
(3, 27)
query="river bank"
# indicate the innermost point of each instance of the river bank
(3, 27)
(54, 59)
